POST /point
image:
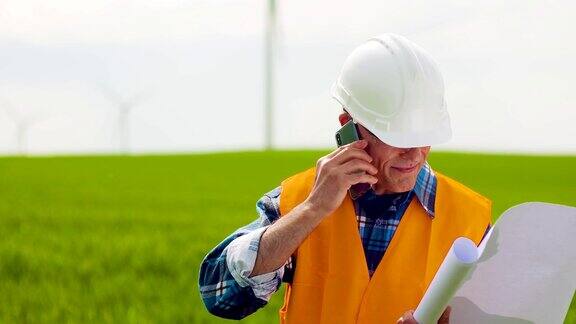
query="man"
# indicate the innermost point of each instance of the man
(367, 260)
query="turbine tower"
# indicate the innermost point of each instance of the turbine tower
(23, 124)
(269, 55)
(125, 106)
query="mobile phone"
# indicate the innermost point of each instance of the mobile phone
(345, 135)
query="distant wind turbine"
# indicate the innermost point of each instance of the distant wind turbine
(23, 124)
(125, 106)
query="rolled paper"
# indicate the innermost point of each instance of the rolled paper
(526, 273)
(457, 264)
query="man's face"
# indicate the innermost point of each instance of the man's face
(397, 167)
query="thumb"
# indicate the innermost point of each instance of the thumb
(445, 318)
(407, 318)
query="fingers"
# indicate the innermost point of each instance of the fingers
(332, 180)
(358, 171)
(346, 153)
(358, 166)
(351, 151)
(407, 318)
(445, 318)
(353, 179)
(361, 144)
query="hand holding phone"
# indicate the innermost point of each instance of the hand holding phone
(336, 173)
(345, 135)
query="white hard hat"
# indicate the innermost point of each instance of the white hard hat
(392, 87)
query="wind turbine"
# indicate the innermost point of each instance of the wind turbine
(23, 124)
(125, 106)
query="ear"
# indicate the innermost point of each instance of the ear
(344, 118)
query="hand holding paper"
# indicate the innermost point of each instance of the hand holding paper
(526, 271)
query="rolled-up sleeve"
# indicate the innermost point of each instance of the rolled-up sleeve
(241, 257)
(224, 281)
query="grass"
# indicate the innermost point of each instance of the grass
(119, 239)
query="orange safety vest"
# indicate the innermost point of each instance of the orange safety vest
(331, 283)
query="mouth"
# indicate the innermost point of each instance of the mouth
(405, 170)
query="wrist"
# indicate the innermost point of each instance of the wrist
(313, 209)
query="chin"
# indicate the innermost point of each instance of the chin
(407, 186)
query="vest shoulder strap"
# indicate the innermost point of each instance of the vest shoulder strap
(296, 189)
(461, 192)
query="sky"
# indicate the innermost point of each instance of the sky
(194, 70)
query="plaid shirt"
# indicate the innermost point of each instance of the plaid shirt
(225, 285)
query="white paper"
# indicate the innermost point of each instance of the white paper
(456, 265)
(526, 272)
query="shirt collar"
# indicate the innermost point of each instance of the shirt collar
(425, 188)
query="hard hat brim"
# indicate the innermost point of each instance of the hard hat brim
(409, 140)
(405, 139)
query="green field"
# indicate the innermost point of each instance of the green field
(119, 239)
